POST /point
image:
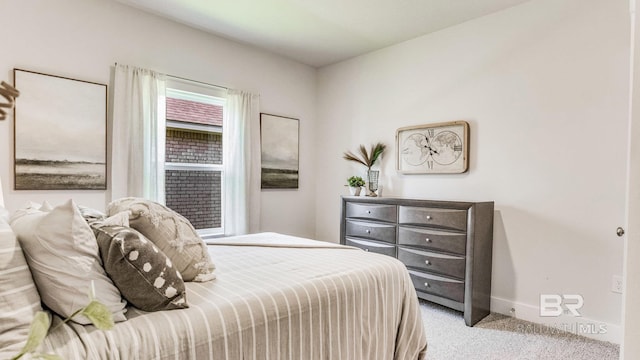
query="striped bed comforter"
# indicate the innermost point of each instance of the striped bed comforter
(275, 297)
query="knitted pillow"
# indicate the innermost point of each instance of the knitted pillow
(172, 233)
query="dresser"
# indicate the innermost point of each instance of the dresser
(445, 245)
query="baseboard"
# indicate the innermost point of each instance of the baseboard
(579, 325)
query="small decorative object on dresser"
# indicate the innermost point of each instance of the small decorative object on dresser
(446, 245)
(441, 148)
(368, 159)
(355, 184)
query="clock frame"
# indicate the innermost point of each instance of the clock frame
(439, 148)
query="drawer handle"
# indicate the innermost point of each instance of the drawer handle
(368, 211)
(368, 231)
(426, 284)
(427, 240)
(427, 262)
(429, 217)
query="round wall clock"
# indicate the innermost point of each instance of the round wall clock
(441, 148)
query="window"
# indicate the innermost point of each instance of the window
(193, 156)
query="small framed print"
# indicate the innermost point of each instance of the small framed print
(441, 148)
(279, 149)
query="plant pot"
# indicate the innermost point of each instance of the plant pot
(354, 190)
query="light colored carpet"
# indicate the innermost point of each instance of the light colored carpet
(498, 337)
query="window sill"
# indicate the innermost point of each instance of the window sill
(206, 234)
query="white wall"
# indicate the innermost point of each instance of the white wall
(82, 39)
(544, 87)
(631, 322)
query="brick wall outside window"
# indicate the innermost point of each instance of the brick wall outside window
(196, 195)
(184, 146)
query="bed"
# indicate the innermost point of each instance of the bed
(275, 297)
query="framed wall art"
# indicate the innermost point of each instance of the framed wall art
(441, 148)
(279, 150)
(60, 133)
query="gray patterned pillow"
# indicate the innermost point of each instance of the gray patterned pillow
(172, 233)
(144, 275)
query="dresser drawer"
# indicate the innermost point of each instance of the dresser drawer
(433, 239)
(433, 262)
(438, 285)
(371, 246)
(369, 230)
(380, 212)
(446, 218)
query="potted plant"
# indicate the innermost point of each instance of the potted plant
(355, 184)
(367, 159)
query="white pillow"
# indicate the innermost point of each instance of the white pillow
(46, 207)
(19, 299)
(119, 219)
(64, 259)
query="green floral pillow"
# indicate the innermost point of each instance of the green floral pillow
(144, 275)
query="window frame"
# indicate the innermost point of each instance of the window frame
(193, 91)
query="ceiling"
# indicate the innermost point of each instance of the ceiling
(321, 32)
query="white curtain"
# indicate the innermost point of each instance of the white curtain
(137, 153)
(241, 139)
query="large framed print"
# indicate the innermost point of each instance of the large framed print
(441, 148)
(60, 133)
(279, 151)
